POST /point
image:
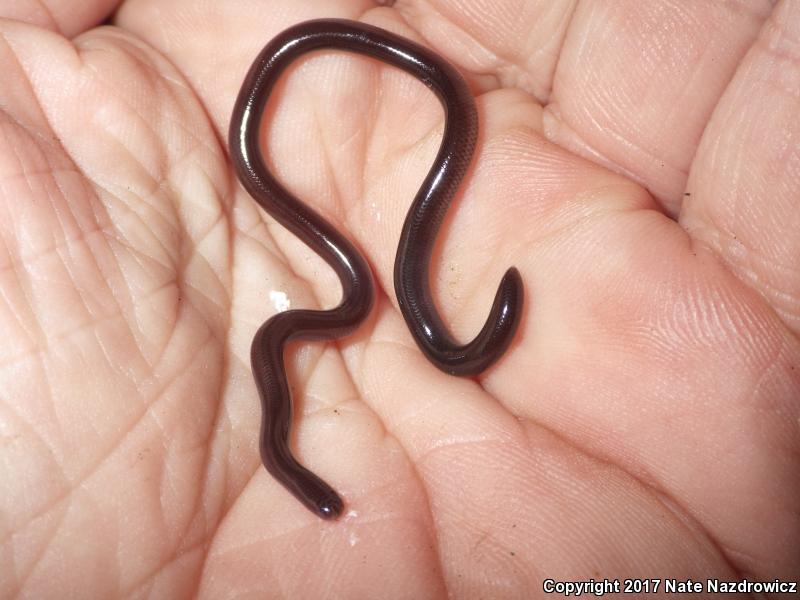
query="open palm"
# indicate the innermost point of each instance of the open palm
(643, 424)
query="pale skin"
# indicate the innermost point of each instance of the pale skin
(639, 163)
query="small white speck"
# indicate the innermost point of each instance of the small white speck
(737, 249)
(280, 300)
(353, 539)
(351, 514)
(375, 211)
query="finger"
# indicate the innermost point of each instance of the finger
(123, 289)
(213, 43)
(621, 319)
(94, 135)
(637, 81)
(745, 181)
(511, 502)
(67, 17)
(502, 43)
(36, 218)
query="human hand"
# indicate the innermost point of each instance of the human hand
(643, 424)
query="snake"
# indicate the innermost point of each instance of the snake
(413, 257)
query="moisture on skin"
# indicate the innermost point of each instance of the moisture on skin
(411, 272)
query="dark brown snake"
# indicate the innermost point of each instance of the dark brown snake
(411, 272)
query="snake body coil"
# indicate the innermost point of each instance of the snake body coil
(411, 275)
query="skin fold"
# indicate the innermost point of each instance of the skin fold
(637, 162)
